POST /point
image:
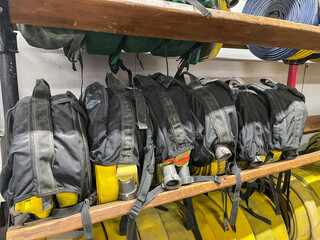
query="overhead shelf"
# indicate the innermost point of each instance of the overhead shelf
(163, 19)
(50, 227)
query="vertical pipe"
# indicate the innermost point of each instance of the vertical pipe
(8, 48)
(8, 78)
(292, 75)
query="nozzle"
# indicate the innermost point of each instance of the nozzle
(127, 190)
(171, 179)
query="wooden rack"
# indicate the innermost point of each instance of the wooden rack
(161, 19)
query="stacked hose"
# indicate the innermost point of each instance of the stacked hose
(299, 11)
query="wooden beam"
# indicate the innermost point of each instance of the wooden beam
(313, 124)
(49, 227)
(164, 19)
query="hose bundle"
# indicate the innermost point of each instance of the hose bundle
(299, 11)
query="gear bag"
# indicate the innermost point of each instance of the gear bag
(46, 163)
(254, 126)
(117, 137)
(287, 115)
(212, 107)
(120, 136)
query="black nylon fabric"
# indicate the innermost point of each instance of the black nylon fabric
(172, 122)
(254, 127)
(212, 105)
(287, 114)
(104, 111)
(69, 168)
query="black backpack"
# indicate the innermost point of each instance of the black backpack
(46, 156)
(254, 126)
(287, 115)
(120, 134)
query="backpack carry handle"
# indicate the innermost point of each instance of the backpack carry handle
(41, 90)
(268, 82)
(236, 79)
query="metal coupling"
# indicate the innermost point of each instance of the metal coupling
(128, 190)
(171, 179)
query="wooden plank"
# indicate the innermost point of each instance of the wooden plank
(163, 19)
(313, 124)
(49, 227)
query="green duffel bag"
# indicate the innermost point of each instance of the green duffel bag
(135, 44)
(173, 48)
(47, 37)
(54, 38)
(102, 43)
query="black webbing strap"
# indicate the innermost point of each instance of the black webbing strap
(123, 227)
(146, 179)
(83, 208)
(186, 60)
(251, 187)
(214, 178)
(190, 217)
(233, 168)
(225, 209)
(286, 187)
(274, 195)
(41, 140)
(177, 130)
(200, 7)
(269, 156)
(262, 185)
(141, 110)
(127, 119)
(75, 46)
(124, 68)
(211, 105)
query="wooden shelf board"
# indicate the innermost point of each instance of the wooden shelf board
(313, 124)
(164, 19)
(49, 227)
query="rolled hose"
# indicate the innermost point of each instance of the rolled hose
(300, 11)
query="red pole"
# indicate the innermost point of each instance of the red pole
(292, 75)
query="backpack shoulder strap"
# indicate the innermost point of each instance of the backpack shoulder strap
(41, 139)
(127, 119)
(218, 119)
(169, 109)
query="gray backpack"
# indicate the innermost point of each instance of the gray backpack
(46, 160)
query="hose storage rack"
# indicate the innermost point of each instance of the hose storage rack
(152, 18)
